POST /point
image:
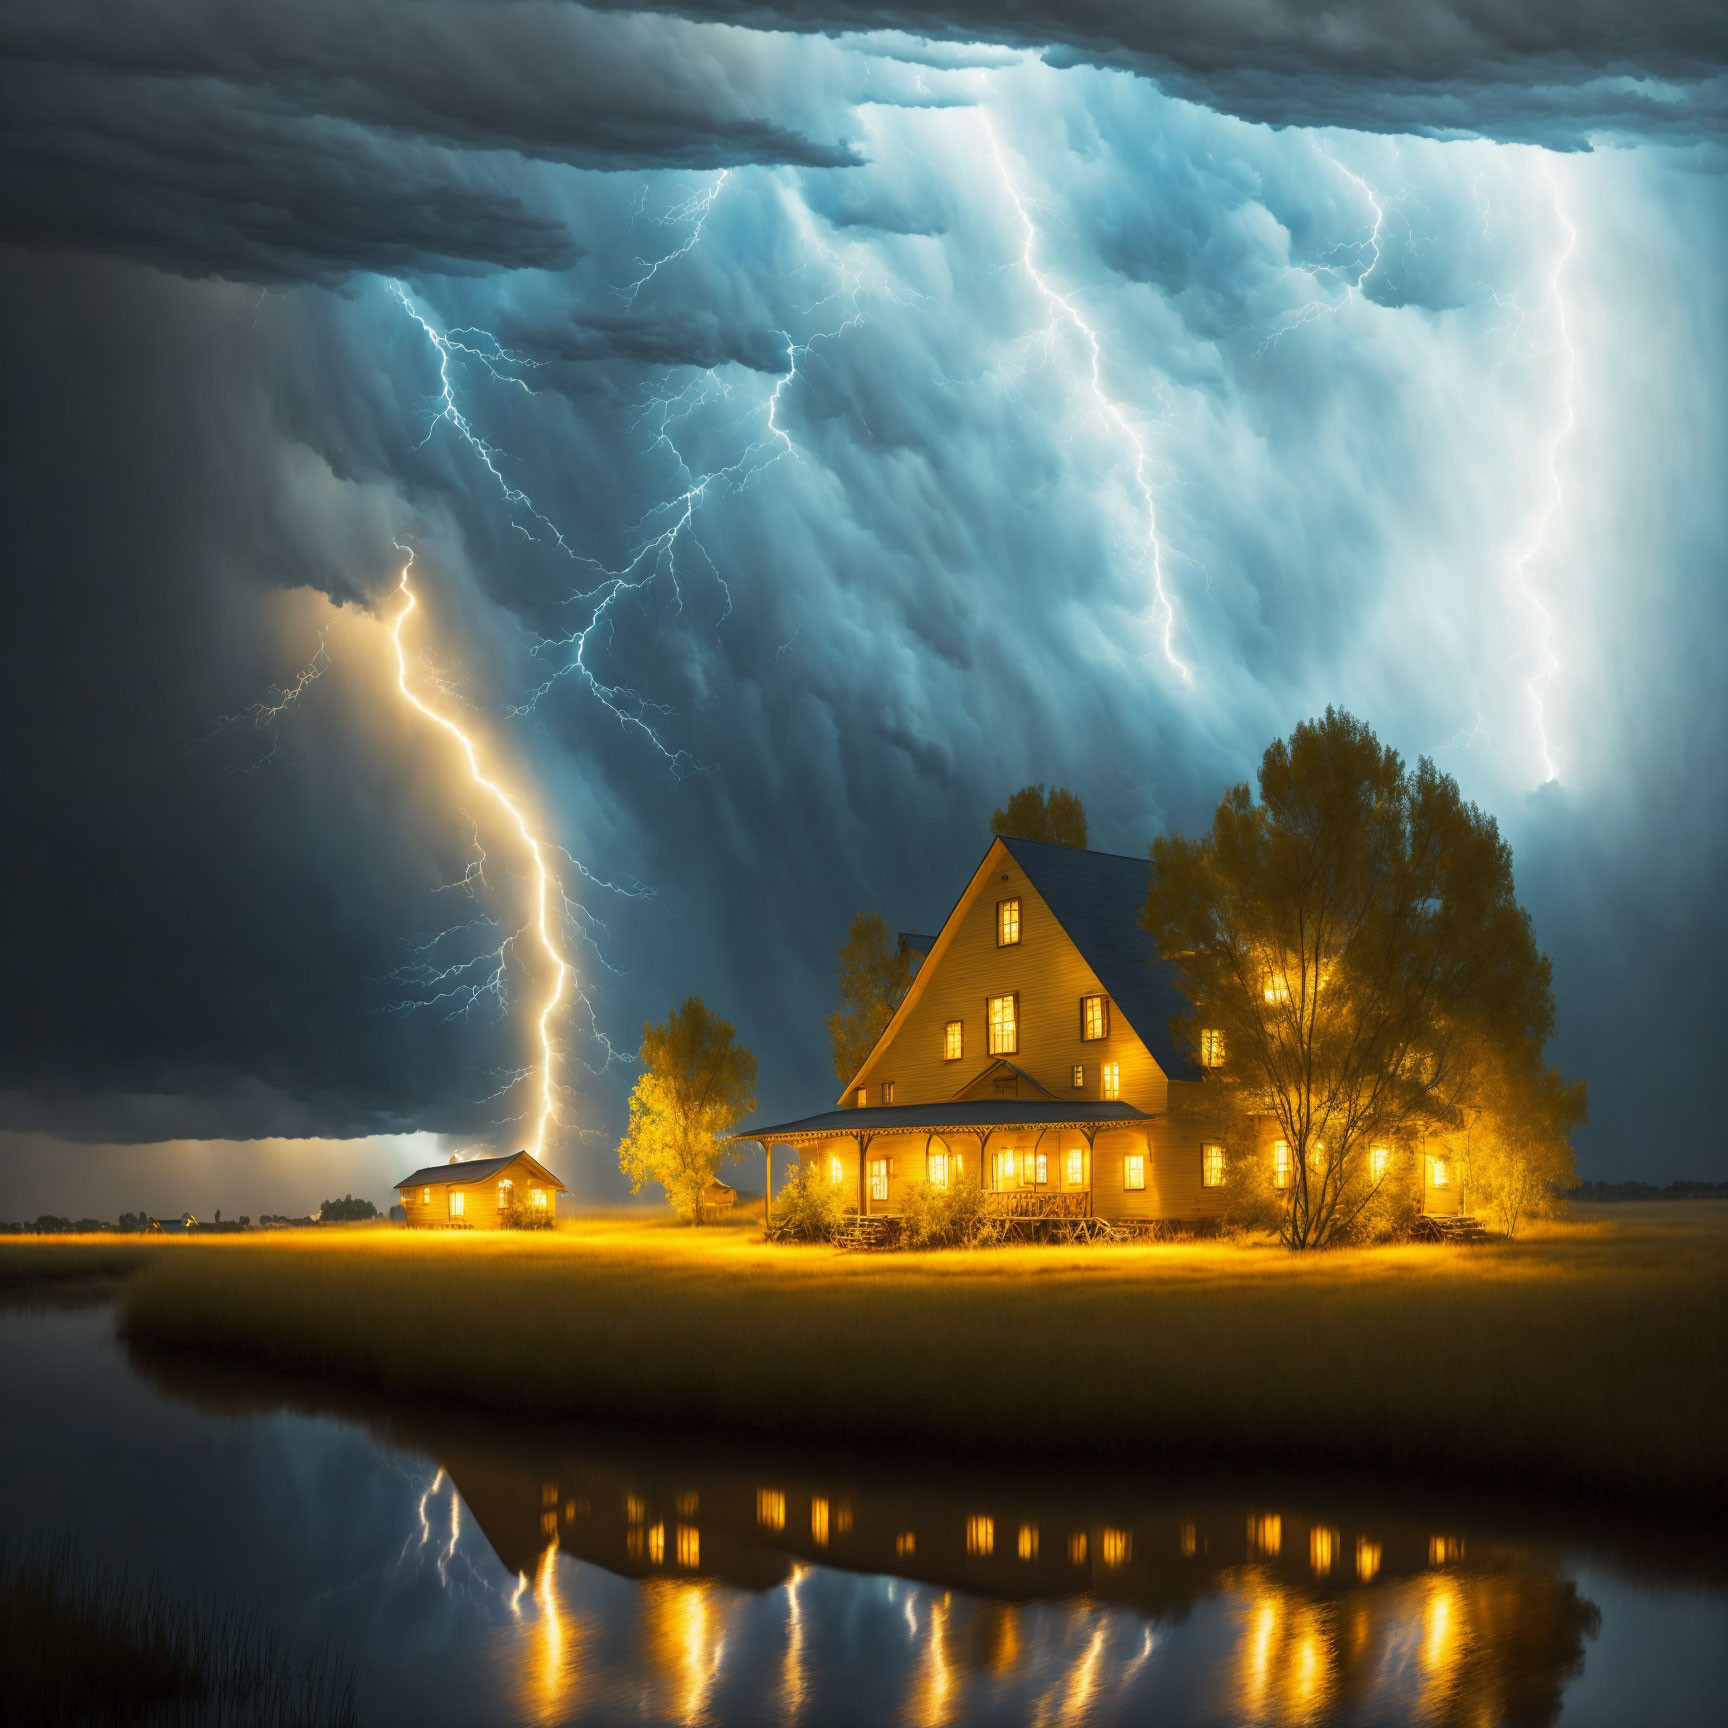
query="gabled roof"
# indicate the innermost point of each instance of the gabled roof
(476, 1170)
(991, 1067)
(979, 1114)
(916, 941)
(1098, 898)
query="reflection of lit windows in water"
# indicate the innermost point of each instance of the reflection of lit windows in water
(771, 1508)
(1027, 1547)
(1115, 1547)
(819, 1522)
(1367, 1559)
(980, 1534)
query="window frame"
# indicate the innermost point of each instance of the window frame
(1379, 1162)
(887, 1091)
(1076, 1171)
(836, 1170)
(1133, 1172)
(1283, 1165)
(1211, 1165)
(1212, 1047)
(1041, 1170)
(1077, 1077)
(880, 1169)
(1012, 998)
(954, 1041)
(936, 1168)
(458, 1202)
(1103, 1001)
(1110, 1082)
(1439, 1171)
(1008, 931)
(861, 1098)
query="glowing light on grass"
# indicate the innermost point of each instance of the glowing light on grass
(544, 922)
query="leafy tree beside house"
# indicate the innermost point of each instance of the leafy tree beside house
(1362, 977)
(697, 1083)
(1059, 817)
(873, 976)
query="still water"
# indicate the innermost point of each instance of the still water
(478, 1571)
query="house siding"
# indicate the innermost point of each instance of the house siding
(481, 1211)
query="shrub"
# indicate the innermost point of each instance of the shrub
(517, 1216)
(347, 1210)
(807, 1209)
(950, 1217)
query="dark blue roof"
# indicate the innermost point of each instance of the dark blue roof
(979, 1113)
(1098, 898)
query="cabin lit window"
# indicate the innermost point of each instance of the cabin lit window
(1111, 1076)
(836, 1171)
(887, 1091)
(980, 1534)
(425, 1196)
(1211, 1048)
(1004, 1026)
(878, 1178)
(1077, 1077)
(689, 1546)
(1442, 1176)
(1281, 1164)
(1212, 1166)
(1134, 1171)
(1076, 1168)
(1115, 1547)
(1007, 923)
(1004, 1169)
(1043, 1176)
(954, 1041)
(458, 1203)
(506, 1194)
(537, 1197)
(771, 1508)
(1094, 1017)
(938, 1169)
(1378, 1158)
(1027, 1546)
(861, 1097)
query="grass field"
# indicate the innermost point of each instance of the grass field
(1590, 1356)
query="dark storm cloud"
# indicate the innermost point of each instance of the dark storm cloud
(267, 143)
(1544, 71)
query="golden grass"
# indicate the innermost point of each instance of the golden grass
(1590, 1355)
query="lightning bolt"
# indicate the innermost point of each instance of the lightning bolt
(1548, 662)
(545, 882)
(1314, 310)
(263, 714)
(1062, 306)
(697, 206)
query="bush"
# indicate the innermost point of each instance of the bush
(518, 1216)
(347, 1210)
(807, 1209)
(951, 1217)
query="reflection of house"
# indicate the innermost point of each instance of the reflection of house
(477, 1193)
(1033, 1053)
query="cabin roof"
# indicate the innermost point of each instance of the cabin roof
(977, 1114)
(1098, 899)
(476, 1170)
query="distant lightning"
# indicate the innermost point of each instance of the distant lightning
(1313, 310)
(263, 714)
(1548, 662)
(545, 885)
(1063, 305)
(696, 208)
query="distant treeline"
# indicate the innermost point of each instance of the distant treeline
(1649, 1191)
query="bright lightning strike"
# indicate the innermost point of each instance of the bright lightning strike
(697, 207)
(545, 885)
(1063, 305)
(1548, 662)
(1314, 310)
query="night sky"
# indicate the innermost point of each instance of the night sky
(805, 433)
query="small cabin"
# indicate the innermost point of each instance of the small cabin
(719, 1196)
(477, 1193)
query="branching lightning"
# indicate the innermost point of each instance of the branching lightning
(695, 209)
(263, 714)
(1062, 307)
(1548, 662)
(1368, 249)
(544, 924)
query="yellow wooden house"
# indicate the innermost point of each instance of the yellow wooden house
(1033, 1051)
(476, 1193)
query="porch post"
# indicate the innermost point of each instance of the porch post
(1091, 1172)
(767, 1182)
(863, 1192)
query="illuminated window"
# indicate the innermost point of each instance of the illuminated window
(1004, 1026)
(1442, 1176)
(954, 1041)
(771, 1508)
(425, 1196)
(1211, 1048)
(836, 1171)
(537, 1197)
(980, 1534)
(1111, 1075)
(1043, 1177)
(906, 1543)
(1281, 1164)
(1276, 988)
(887, 1091)
(819, 1522)
(1367, 1559)
(860, 1098)
(1076, 1168)
(1322, 1544)
(1212, 1166)
(1007, 923)
(1004, 1168)
(878, 1178)
(506, 1193)
(1077, 1077)
(1115, 1547)
(938, 1164)
(657, 1545)
(1378, 1158)
(689, 1546)
(458, 1203)
(1134, 1171)
(1094, 1017)
(1266, 1535)
(1027, 1546)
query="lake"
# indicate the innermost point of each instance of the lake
(478, 1570)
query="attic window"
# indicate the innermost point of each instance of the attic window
(954, 1041)
(1004, 1020)
(1094, 1018)
(1007, 923)
(861, 1098)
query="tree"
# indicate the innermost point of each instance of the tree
(697, 1083)
(873, 976)
(1515, 1151)
(1060, 818)
(1351, 943)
